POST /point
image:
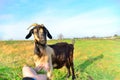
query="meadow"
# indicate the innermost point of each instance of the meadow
(93, 59)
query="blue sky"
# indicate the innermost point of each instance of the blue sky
(72, 18)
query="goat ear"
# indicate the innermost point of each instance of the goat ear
(48, 34)
(29, 34)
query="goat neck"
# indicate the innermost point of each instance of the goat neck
(39, 49)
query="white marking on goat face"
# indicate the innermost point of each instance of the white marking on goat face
(41, 30)
(35, 35)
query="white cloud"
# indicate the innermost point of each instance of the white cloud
(97, 22)
(6, 17)
(100, 22)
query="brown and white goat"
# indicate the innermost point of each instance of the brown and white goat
(51, 56)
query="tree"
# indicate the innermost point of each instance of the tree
(115, 35)
(60, 36)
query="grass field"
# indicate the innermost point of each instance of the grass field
(93, 59)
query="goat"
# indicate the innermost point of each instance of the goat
(51, 56)
(42, 52)
(63, 56)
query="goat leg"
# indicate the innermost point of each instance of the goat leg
(73, 74)
(49, 68)
(68, 69)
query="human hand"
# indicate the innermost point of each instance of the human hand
(38, 68)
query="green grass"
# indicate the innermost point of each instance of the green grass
(93, 59)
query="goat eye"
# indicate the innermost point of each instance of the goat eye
(35, 31)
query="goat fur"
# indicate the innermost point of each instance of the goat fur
(61, 54)
(51, 56)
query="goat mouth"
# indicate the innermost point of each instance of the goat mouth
(43, 42)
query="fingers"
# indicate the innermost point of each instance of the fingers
(47, 67)
(38, 68)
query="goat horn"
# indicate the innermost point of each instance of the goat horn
(42, 25)
(35, 24)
